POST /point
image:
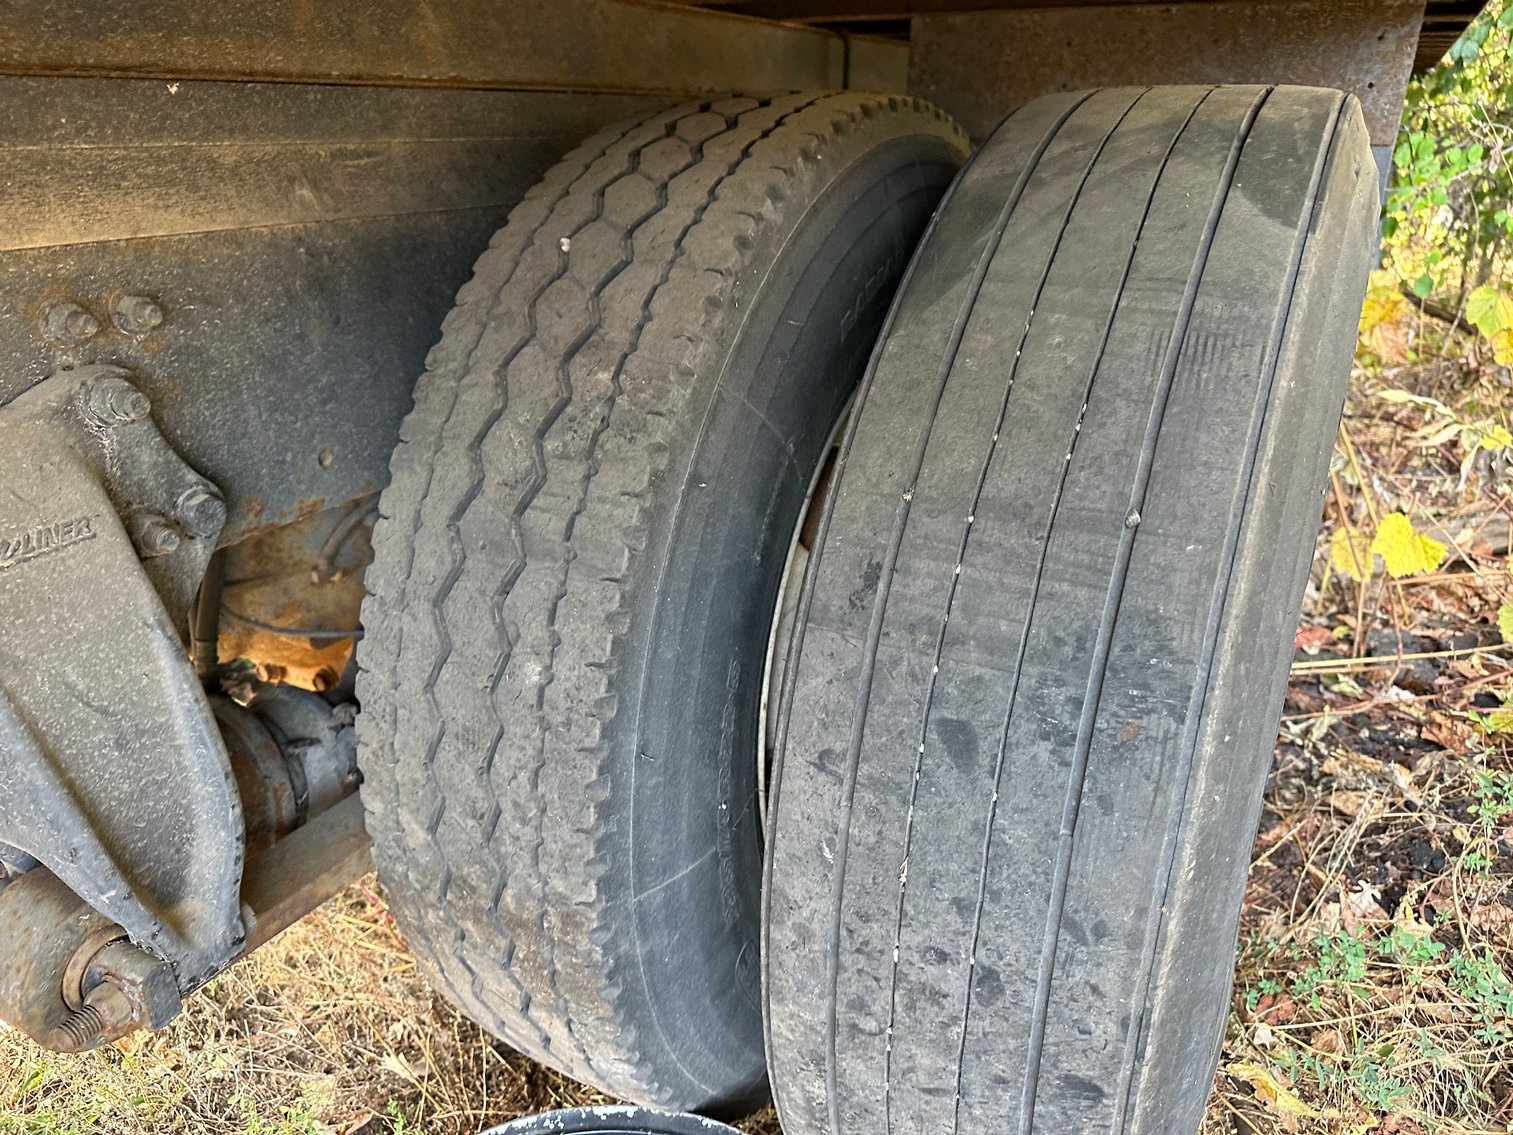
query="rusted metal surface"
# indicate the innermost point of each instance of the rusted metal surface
(70, 980)
(69, 977)
(44, 926)
(298, 873)
(978, 66)
(269, 808)
(318, 744)
(291, 596)
(579, 45)
(122, 989)
(106, 1015)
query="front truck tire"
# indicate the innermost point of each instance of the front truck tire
(1046, 627)
(577, 564)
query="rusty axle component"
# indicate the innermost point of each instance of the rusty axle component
(71, 978)
(73, 982)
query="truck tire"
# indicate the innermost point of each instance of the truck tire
(576, 564)
(1045, 629)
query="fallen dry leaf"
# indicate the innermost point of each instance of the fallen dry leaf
(1329, 1041)
(1448, 733)
(1271, 1089)
(1349, 803)
(1311, 638)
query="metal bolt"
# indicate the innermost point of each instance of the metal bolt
(324, 679)
(112, 401)
(200, 511)
(137, 315)
(80, 1031)
(270, 672)
(68, 324)
(107, 1014)
(153, 535)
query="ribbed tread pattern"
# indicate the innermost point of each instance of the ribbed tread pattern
(1045, 630)
(506, 561)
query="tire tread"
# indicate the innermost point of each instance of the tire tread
(515, 560)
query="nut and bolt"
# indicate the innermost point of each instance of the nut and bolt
(119, 989)
(113, 401)
(153, 535)
(200, 511)
(137, 315)
(68, 324)
(324, 679)
(107, 1014)
(270, 672)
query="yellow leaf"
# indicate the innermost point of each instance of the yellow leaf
(1404, 550)
(1499, 721)
(1269, 1088)
(1385, 319)
(1350, 553)
(1490, 309)
(1505, 621)
(1502, 346)
(1494, 436)
(1385, 303)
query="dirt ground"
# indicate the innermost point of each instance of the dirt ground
(1372, 986)
(1372, 989)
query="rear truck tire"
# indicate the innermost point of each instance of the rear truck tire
(576, 565)
(1044, 632)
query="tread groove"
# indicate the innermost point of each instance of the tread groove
(1051, 672)
(869, 648)
(408, 544)
(438, 604)
(958, 331)
(806, 596)
(1083, 742)
(1211, 634)
(515, 547)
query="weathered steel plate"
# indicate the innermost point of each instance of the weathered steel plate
(304, 244)
(980, 65)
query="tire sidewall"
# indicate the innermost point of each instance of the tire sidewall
(760, 420)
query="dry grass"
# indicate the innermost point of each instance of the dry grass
(327, 1029)
(1373, 989)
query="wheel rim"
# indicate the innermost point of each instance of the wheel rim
(785, 611)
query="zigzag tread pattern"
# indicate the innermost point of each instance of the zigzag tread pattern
(518, 513)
